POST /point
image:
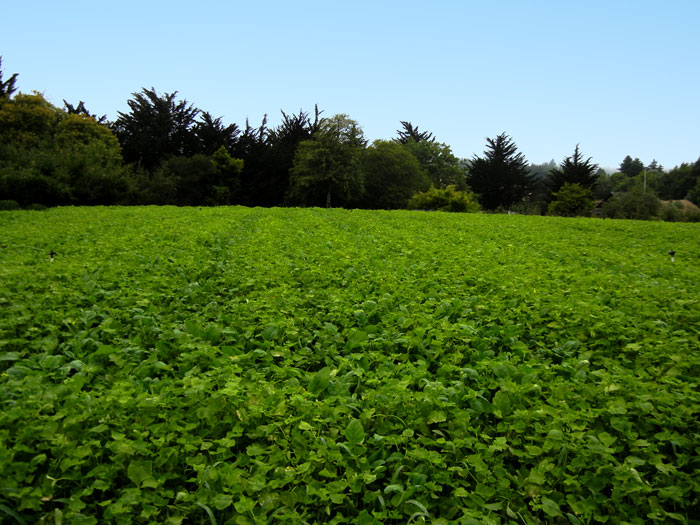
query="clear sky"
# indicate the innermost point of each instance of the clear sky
(619, 77)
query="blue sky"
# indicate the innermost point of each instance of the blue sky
(617, 77)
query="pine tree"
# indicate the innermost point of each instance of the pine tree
(410, 133)
(156, 128)
(501, 177)
(573, 170)
(8, 87)
(630, 167)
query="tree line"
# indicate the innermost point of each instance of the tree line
(164, 150)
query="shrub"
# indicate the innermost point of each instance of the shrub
(8, 205)
(634, 204)
(36, 207)
(572, 200)
(444, 199)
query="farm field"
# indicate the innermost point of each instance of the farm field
(245, 365)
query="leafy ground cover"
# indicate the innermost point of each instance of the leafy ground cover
(236, 365)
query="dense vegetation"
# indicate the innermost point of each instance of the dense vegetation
(239, 365)
(164, 150)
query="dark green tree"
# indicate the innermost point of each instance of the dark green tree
(501, 177)
(677, 182)
(210, 134)
(631, 167)
(282, 142)
(392, 175)
(436, 159)
(632, 204)
(156, 128)
(438, 163)
(51, 157)
(7, 87)
(201, 179)
(410, 133)
(253, 147)
(80, 109)
(327, 169)
(573, 170)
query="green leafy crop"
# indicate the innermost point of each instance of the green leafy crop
(236, 365)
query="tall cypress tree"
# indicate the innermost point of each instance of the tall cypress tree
(8, 87)
(573, 170)
(156, 128)
(501, 177)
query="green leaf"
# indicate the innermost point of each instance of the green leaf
(550, 507)
(13, 514)
(212, 520)
(244, 505)
(221, 501)
(270, 332)
(320, 381)
(355, 432)
(305, 426)
(139, 471)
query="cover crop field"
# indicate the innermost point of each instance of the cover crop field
(236, 365)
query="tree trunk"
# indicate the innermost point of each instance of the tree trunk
(328, 197)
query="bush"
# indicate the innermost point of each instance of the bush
(672, 212)
(445, 199)
(634, 204)
(36, 207)
(9, 205)
(572, 200)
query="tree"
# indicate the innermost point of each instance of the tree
(210, 134)
(201, 179)
(633, 204)
(51, 157)
(501, 177)
(327, 167)
(156, 128)
(436, 159)
(573, 170)
(80, 109)
(438, 163)
(7, 88)
(694, 193)
(631, 167)
(677, 182)
(391, 174)
(410, 133)
(571, 200)
(253, 147)
(282, 142)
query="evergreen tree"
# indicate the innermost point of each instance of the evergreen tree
(7, 87)
(411, 133)
(501, 177)
(282, 143)
(630, 167)
(80, 109)
(573, 170)
(156, 128)
(210, 134)
(253, 147)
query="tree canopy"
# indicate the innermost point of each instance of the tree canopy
(165, 150)
(7, 87)
(574, 170)
(501, 177)
(327, 169)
